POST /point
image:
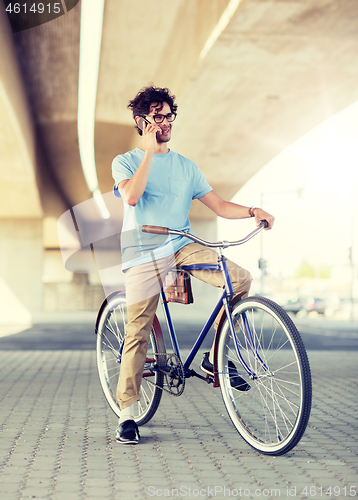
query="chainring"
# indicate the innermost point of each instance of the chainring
(174, 377)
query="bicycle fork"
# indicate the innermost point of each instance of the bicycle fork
(248, 335)
(245, 324)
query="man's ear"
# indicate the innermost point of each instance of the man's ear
(139, 126)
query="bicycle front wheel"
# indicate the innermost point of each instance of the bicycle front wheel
(272, 413)
(110, 338)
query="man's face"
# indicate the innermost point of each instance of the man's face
(164, 135)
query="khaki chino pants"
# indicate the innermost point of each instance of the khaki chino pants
(143, 284)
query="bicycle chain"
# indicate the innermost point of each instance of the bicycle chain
(171, 379)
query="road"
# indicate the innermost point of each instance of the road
(316, 335)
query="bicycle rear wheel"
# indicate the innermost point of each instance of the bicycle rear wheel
(273, 414)
(110, 337)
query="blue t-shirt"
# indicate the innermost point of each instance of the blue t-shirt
(173, 182)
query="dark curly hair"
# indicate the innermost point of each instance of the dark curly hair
(140, 105)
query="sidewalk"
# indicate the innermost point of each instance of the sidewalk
(57, 438)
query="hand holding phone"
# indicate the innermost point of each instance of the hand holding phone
(149, 141)
(141, 122)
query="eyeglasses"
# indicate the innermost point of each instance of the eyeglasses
(160, 118)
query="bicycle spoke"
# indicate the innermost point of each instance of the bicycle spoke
(114, 329)
(271, 416)
(144, 388)
(109, 345)
(289, 402)
(110, 339)
(275, 394)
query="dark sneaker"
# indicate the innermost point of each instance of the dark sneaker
(236, 381)
(127, 433)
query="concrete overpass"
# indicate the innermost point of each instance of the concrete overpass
(250, 77)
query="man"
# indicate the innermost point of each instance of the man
(157, 187)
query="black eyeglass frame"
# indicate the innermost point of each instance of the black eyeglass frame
(162, 117)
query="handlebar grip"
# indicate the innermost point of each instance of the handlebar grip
(155, 229)
(264, 223)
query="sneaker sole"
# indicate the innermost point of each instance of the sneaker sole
(126, 442)
(241, 390)
(206, 371)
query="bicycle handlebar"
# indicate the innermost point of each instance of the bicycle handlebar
(222, 244)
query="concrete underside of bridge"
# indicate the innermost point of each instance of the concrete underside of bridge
(278, 69)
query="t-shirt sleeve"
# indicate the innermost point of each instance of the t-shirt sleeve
(121, 171)
(201, 186)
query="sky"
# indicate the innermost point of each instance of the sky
(319, 225)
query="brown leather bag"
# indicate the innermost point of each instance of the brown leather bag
(177, 287)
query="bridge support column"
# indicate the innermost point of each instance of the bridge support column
(21, 260)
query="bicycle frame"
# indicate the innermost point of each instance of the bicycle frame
(223, 301)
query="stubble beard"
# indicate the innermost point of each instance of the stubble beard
(163, 139)
(160, 138)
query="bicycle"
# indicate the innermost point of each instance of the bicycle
(254, 334)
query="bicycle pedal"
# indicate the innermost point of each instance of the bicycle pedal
(211, 380)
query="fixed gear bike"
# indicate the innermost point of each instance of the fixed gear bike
(254, 334)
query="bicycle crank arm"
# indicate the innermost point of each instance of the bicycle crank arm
(208, 379)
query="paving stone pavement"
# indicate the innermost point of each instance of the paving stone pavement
(58, 443)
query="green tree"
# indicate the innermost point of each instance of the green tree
(307, 270)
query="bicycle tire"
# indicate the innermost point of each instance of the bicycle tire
(273, 414)
(110, 336)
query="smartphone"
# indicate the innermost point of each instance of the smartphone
(141, 121)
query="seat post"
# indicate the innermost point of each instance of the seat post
(226, 275)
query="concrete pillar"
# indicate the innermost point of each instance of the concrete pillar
(21, 259)
(21, 247)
